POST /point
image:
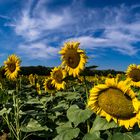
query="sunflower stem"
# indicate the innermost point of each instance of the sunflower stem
(12, 131)
(86, 89)
(87, 96)
(16, 112)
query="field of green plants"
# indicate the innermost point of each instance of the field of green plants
(67, 105)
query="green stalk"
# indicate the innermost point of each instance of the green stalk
(16, 110)
(86, 90)
(12, 130)
(87, 96)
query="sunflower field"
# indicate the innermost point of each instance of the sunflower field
(68, 105)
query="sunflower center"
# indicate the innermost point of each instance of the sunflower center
(114, 102)
(58, 76)
(49, 85)
(12, 67)
(72, 58)
(135, 75)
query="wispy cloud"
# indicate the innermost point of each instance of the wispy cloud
(111, 39)
(119, 30)
(37, 51)
(40, 22)
(5, 17)
(116, 28)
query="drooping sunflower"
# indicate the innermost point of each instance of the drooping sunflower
(118, 76)
(133, 73)
(58, 74)
(73, 58)
(110, 75)
(12, 66)
(115, 100)
(48, 86)
(31, 79)
(38, 88)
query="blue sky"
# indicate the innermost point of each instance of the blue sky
(35, 30)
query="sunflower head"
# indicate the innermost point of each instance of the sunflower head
(31, 79)
(48, 86)
(12, 66)
(58, 74)
(133, 73)
(115, 100)
(73, 58)
(38, 88)
(110, 75)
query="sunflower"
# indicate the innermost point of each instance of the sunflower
(73, 58)
(109, 75)
(58, 74)
(115, 100)
(38, 88)
(12, 66)
(48, 86)
(31, 79)
(133, 73)
(118, 76)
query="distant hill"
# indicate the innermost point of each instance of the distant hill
(39, 70)
(42, 70)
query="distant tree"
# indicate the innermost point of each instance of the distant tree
(39, 70)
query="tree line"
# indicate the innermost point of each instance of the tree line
(42, 70)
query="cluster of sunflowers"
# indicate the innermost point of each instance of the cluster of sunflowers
(73, 62)
(114, 100)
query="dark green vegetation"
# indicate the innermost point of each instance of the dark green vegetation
(42, 70)
(60, 116)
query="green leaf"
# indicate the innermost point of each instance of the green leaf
(102, 124)
(124, 136)
(31, 112)
(33, 101)
(32, 126)
(72, 96)
(137, 136)
(44, 100)
(11, 91)
(63, 126)
(4, 110)
(68, 95)
(22, 113)
(61, 94)
(92, 136)
(66, 132)
(61, 106)
(77, 115)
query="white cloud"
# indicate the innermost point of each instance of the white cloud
(120, 27)
(33, 27)
(120, 31)
(37, 51)
(27, 27)
(119, 43)
(5, 17)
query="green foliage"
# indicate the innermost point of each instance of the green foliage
(102, 124)
(39, 70)
(77, 115)
(33, 126)
(125, 136)
(66, 132)
(42, 70)
(92, 136)
(62, 115)
(5, 111)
